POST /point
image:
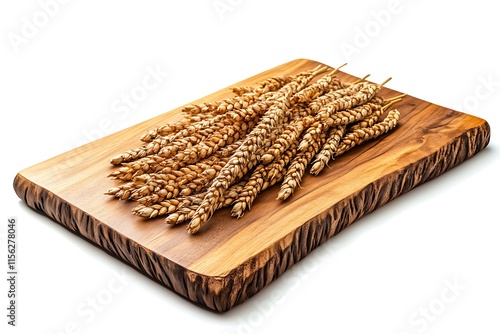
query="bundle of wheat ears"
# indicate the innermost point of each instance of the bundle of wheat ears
(224, 153)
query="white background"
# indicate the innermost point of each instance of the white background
(61, 85)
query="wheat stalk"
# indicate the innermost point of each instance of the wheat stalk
(226, 152)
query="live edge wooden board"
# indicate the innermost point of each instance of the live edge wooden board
(232, 259)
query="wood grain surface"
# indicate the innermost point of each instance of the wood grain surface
(231, 259)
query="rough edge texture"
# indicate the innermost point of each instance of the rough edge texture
(233, 289)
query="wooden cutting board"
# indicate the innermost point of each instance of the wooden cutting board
(232, 259)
